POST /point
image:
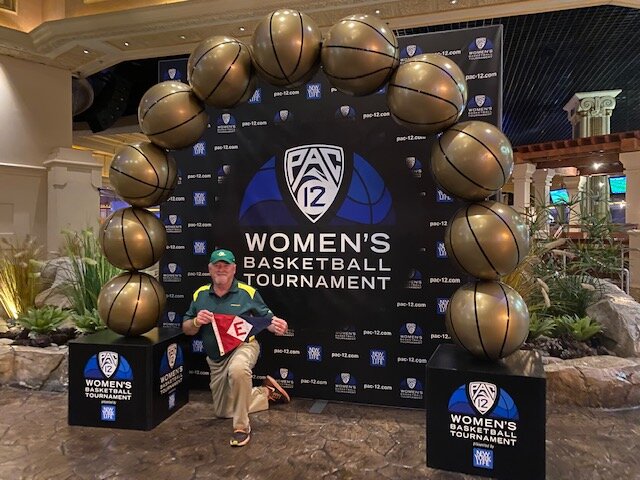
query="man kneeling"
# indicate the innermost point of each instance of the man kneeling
(226, 299)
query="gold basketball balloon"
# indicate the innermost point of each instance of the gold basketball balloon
(131, 303)
(487, 239)
(143, 174)
(488, 319)
(472, 160)
(171, 115)
(133, 238)
(359, 54)
(427, 93)
(220, 72)
(286, 48)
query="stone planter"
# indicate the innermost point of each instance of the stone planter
(600, 381)
(36, 368)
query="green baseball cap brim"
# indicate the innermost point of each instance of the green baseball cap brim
(222, 255)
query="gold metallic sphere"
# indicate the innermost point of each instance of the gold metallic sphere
(427, 93)
(131, 303)
(143, 174)
(472, 160)
(171, 115)
(487, 239)
(286, 48)
(133, 238)
(488, 319)
(359, 54)
(220, 72)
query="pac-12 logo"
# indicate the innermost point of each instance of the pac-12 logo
(108, 365)
(485, 399)
(314, 174)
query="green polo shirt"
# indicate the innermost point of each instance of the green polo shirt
(239, 300)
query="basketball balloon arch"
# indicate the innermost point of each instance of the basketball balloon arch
(359, 55)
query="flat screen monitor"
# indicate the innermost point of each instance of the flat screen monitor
(560, 195)
(618, 185)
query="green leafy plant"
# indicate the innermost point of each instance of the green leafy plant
(19, 275)
(88, 322)
(90, 270)
(579, 328)
(42, 320)
(539, 326)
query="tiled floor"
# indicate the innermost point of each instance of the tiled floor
(345, 441)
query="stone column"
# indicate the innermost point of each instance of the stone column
(521, 177)
(542, 185)
(575, 188)
(631, 163)
(590, 112)
(73, 199)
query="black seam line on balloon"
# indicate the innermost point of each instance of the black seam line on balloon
(458, 170)
(153, 254)
(159, 100)
(360, 49)
(139, 181)
(452, 323)
(515, 239)
(506, 330)
(444, 70)
(359, 76)
(116, 297)
(225, 74)
(486, 257)
(475, 312)
(195, 63)
(427, 94)
(166, 177)
(453, 250)
(149, 162)
(424, 123)
(133, 315)
(375, 30)
(176, 126)
(246, 88)
(301, 49)
(124, 239)
(368, 196)
(275, 52)
(504, 176)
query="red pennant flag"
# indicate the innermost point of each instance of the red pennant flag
(232, 330)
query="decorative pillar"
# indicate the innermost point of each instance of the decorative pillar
(631, 163)
(590, 112)
(73, 199)
(521, 177)
(575, 187)
(542, 185)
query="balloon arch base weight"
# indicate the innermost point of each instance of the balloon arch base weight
(486, 418)
(127, 382)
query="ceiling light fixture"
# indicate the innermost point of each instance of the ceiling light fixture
(241, 29)
(182, 37)
(126, 44)
(377, 12)
(85, 51)
(597, 165)
(453, 2)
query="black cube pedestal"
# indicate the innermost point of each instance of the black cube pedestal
(127, 382)
(486, 418)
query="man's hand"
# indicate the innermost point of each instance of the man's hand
(204, 317)
(278, 326)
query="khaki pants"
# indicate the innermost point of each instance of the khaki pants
(231, 386)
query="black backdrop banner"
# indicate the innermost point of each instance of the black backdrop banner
(332, 213)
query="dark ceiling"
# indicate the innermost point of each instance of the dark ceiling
(547, 58)
(550, 56)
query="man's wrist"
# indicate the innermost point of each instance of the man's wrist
(195, 322)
